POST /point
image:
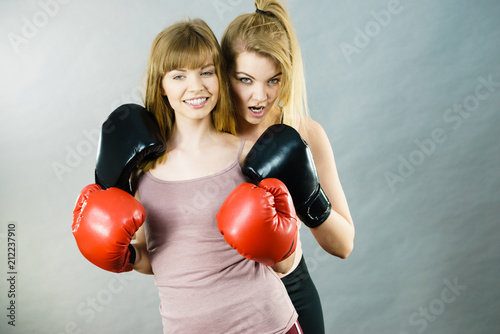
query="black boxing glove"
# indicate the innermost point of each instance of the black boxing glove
(280, 152)
(129, 136)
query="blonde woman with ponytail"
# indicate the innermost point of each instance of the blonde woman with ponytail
(267, 80)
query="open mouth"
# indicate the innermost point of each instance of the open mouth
(257, 111)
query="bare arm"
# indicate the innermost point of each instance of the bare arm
(336, 234)
(142, 262)
(284, 266)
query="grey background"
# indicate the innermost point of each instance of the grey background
(421, 176)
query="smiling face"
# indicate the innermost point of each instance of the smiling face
(256, 83)
(192, 93)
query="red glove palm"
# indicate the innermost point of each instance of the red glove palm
(104, 223)
(260, 221)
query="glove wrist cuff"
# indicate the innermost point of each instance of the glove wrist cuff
(316, 210)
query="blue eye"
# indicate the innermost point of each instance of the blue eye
(274, 81)
(245, 80)
(207, 74)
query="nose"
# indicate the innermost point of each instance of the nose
(259, 93)
(195, 84)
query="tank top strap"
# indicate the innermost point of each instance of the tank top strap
(240, 149)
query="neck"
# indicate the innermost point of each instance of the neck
(191, 134)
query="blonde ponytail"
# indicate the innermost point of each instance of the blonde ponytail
(269, 32)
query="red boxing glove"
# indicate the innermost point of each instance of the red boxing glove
(104, 223)
(260, 221)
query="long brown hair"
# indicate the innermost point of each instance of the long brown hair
(187, 44)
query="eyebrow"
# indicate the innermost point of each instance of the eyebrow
(251, 77)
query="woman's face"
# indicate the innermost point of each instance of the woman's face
(192, 93)
(255, 82)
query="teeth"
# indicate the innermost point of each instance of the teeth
(256, 108)
(196, 102)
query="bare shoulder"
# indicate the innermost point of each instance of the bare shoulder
(315, 135)
(233, 143)
(230, 141)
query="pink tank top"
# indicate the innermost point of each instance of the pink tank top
(205, 286)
